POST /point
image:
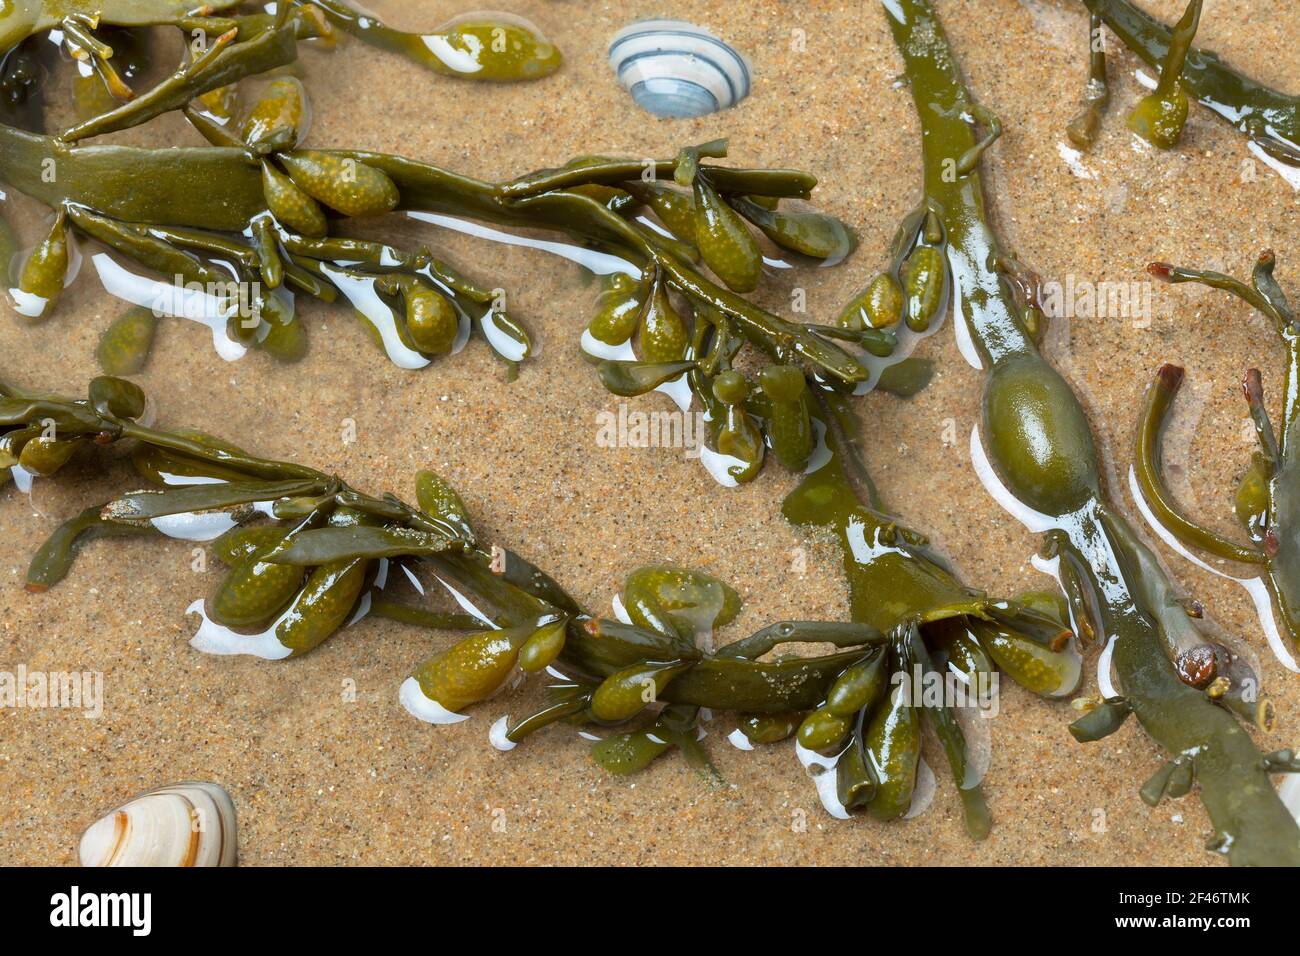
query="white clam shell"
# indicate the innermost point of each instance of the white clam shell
(186, 824)
(674, 68)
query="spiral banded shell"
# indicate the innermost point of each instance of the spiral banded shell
(185, 824)
(674, 68)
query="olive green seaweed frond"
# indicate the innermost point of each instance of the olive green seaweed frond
(1269, 118)
(306, 554)
(1175, 678)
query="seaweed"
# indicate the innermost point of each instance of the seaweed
(1264, 504)
(1268, 117)
(240, 223)
(308, 554)
(1039, 439)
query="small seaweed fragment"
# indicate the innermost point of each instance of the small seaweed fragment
(1159, 117)
(1269, 118)
(1083, 129)
(308, 554)
(54, 559)
(1266, 500)
(488, 47)
(1040, 441)
(1101, 720)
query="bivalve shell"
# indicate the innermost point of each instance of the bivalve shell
(186, 824)
(674, 68)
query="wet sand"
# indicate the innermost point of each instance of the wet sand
(318, 778)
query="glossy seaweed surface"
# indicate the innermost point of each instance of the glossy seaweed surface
(256, 204)
(1041, 442)
(307, 554)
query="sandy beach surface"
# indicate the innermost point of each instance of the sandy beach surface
(324, 775)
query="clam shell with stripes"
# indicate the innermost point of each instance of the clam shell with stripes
(186, 824)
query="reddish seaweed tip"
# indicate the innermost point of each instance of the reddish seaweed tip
(1267, 258)
(1170, 376)
(35, 587)
(1253, 385)
(1161, 270)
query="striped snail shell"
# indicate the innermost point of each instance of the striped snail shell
(674, 68)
